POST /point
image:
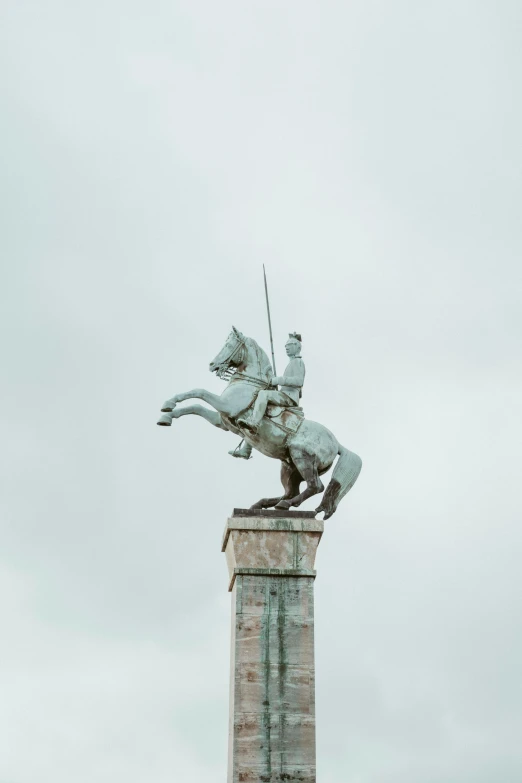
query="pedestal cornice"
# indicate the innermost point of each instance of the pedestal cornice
(271, 544)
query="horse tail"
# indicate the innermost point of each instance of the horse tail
(344, 476)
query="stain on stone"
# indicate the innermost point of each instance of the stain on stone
(281, 620)
(267, 738)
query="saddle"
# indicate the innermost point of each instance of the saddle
(289, 419)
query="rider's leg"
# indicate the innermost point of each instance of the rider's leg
(244, 450)
(263, 398)
(260, 406)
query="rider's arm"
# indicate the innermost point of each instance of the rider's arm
(294, 375)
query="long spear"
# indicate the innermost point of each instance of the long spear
(269, 322)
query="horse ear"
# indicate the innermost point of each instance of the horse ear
(238, 334)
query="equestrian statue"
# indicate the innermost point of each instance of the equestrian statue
(271, 421)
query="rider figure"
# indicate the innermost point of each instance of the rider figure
(291, 384)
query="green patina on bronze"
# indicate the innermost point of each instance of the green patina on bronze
(270, 420)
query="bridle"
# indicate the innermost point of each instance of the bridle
(224, 370)
(228, 373)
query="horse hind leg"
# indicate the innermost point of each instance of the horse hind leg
(291, 481)
(306, 466)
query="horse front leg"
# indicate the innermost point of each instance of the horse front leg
(217, 402)
(213, 417)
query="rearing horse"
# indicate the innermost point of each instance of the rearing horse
(305, 454)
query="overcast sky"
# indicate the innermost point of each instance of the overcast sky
(155, 154)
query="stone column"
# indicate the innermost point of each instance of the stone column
(270, 557)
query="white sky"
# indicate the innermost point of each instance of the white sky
(155, 155)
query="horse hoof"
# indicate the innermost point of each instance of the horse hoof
(165, 421)
(327, 513)
(284, 504)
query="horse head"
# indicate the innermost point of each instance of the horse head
(244, 353)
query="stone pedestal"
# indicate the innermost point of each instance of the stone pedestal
(272, 693)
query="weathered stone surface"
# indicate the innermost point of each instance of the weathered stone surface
(274, 544)
(301, 774)
(279, 638)
(272, 718)
(281, 687)
(267, 596)
(269, 744)
(284, 521)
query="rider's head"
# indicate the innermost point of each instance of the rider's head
(293, 345)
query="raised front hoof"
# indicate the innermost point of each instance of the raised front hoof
(167, 408)
(165, 421)
(284, 504)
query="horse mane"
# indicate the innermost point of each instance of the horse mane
(264, 365)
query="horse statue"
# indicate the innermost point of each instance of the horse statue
(305, 448)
